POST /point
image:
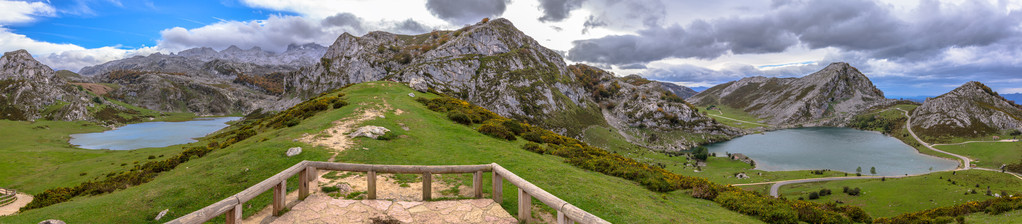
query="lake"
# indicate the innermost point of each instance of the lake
(842, 149)
(151, 134)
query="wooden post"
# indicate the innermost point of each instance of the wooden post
(371, 175)
(427, 188)
(477, 183)
(279, 194)
(234, 215)
(561, 219)
(524, 206)
(498, 188)
(303, 184)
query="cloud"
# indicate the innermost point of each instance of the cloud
(466, 12)
(66, 56)
(16, 12)
(557, 10)
(272, 34)
(686, 73)
(856, 25)
(347, 20)
(624, 14)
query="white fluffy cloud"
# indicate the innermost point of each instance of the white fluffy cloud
(22, 12)
(66, 56)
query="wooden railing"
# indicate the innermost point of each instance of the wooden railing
(306, 171)
(7, 196)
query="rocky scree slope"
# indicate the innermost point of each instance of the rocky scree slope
(491, 64)
(32, 91)
(634, 103)
(829, 97)
(972, 109)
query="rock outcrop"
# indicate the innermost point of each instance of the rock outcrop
(32, 91)
(491, 64)
(972, 109)
(632, 103)
(831, 96)
(680, 91)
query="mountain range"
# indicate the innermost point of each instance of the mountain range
(491, 64)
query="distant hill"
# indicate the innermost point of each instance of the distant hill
(972, 109)
(1017, 97)
(680, 91)
(830, 96)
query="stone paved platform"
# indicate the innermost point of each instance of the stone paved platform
(324, 209)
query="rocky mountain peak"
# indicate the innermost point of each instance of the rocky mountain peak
(21, 64)
(232, 49)
(826, 97)
(972, 109)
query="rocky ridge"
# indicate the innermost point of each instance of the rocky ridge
(972, 109)
(632, 104)
(680, 91)
(829, 97)
(32, 91)
(491, 64)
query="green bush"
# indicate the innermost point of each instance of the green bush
(496, 130)
(390, 135)
(700, 153)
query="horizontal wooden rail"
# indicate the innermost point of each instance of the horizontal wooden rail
(564, 210)
(231, 206)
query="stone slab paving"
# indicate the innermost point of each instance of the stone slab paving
(324, 209)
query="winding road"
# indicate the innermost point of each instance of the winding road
(908, 125)
(965, 162)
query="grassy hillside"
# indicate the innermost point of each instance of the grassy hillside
(988, 154)
(431, 139)
(886, 198)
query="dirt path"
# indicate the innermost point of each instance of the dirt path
(336, 137)
(23, 199)
(750, 122)
(967, 142)
(966, 162)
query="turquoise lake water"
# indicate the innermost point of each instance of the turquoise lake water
(151, 134)
(842, 149)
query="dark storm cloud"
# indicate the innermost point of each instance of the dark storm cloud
(856, 25)
(624, 14)
(409, 26)
(344, 20)
(557, 10)
(461, 12)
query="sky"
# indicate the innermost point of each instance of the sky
(906, 47)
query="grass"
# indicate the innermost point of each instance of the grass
(1007, 217)
(728, 112)
(432, 140)
(462, 145)
(895, 196)
(988, 154)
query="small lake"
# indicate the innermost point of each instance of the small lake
(842, 149)
(151, 134)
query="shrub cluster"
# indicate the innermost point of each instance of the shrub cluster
(871, 122)
(307, 109)
(139, 174)
(652, 177)
(994, 206)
